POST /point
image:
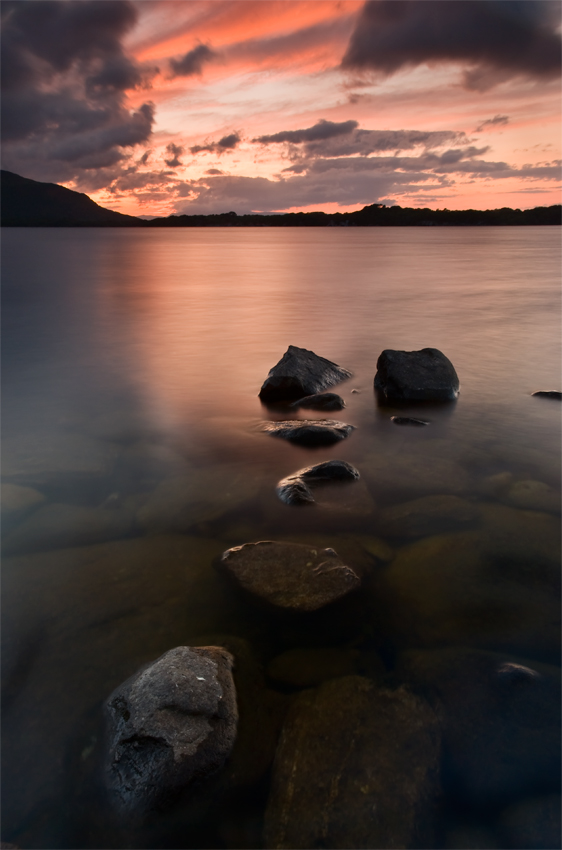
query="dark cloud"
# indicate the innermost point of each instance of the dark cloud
(496, 121)
(329, 139)
(320, 131)
(214, 171)
(193, 61)
(175, 151)
(497, 39)
(64, 78)
(227, 143)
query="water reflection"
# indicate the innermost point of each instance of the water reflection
(133, 456)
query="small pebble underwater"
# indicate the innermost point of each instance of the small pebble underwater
(387, 672)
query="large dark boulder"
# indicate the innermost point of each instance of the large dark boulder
(291, 576)
(172, 723)
(357, 766)
(310, 432)
(425, 375)
(300, 373)
(295, 490)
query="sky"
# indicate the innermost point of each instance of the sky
(159, 107)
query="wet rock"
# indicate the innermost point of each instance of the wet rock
(408, 420)
(294, 489)
(16, 501)
(533, 496)
(37, 460)
(323, 401)
(500, 718)
(376, 547)
(58, 526)
(290, 575)
(300, 373)
(307, 668)
(497, 588)
(171, 724)
(532, 824)
(429, 515)
(260, 715)
(202, 495)
(425, 375)
(548, 394)
(356, 766)
(310, 432)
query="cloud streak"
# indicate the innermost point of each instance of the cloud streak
(192, 62)
(227, 143)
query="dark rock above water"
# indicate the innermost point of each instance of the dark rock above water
(356, 766)
(171, 723)
(300, 373)
(310, 432)
(425, 375)
(294, 489)
(323, 401)
(290, 575)
(548, 394)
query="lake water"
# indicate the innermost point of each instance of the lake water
(132, 362)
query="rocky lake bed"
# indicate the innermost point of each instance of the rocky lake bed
(350, 657)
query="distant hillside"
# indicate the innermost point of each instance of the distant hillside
(28, 203)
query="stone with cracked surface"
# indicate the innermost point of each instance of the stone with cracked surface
(291, 576)
(171, 724)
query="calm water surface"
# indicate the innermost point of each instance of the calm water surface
(131, 367)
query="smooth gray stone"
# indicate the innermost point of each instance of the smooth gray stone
(310, 432)
(548, 394)
(170, 724)
(324, 401)
(356, 766)
(294, 489)
(300, 373)
(425, 375)
(290, 575)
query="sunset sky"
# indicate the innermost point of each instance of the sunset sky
(201, 106)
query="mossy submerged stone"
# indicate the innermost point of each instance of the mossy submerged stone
(357, 766)
(300, 373)
(425, 375)
(172, 723)
(310, 432)
(290, 576)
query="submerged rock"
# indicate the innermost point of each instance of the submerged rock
(533, 496)
(310, 432)
(294, 489)
(58, 526)
(290, 575)
(307, 668)
(300, 373)
(500, 718)
(170, 724)
(407, 420)
(356, 766)
(324, 401)
(37, 460)
(532, 822)
(16, 501)
(548, 394)
(425, 375)
(429, 515)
